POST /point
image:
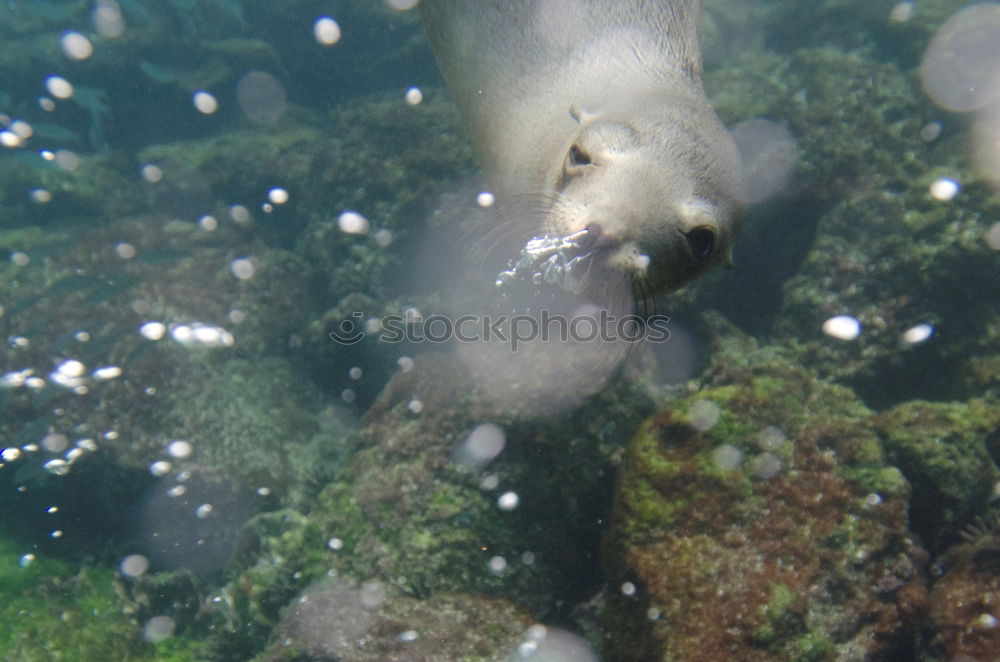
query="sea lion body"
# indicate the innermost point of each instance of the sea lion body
(597, 107)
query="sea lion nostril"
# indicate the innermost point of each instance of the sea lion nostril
(702, 242)
(578, 157)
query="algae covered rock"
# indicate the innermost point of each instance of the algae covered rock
(408, 510)
(758, 520)
(58, 611)
(965, 600)
(856, 230)
(337, 622)
(941, 448)
(251, 421)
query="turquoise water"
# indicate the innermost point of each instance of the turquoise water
(233, 238)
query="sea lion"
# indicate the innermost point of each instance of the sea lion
(596, 108)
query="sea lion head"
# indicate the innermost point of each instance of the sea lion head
(654, 186)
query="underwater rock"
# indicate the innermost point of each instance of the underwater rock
(101, 186)
(917, 276)
(337, 622)
(416, 508)
(252, 421)
(53, 607)
(965, 600)
(941, 450)
(82, 302)
(758, 520)
(412, 508)
(857, 231)
(877, 29)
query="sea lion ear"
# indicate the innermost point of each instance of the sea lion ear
(580, 115)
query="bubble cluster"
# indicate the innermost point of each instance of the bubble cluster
(544, 644)
(771, 438)
(240, 214)
(508, 501)
(205, 102)
(481, 446)
(107, 18)
(766, 465)
(402, 5)
(277, 195)
(944, 189)
(327, 31)
(372, 594)
(76, 46)
(901, 12)
(180, 449)
(40, 195)
(160, 468)
(67, 160)
(352, 222)
(727, 457)
(918, 334)
(842, 327)
(960, 69)
(992, 237)
(197, 334)
(703, 415)
(59, 87)
(153, 330)
(159, 628)
(769, 153)
(414, 96)
(261, 97)
(242, 268)
(134, 565)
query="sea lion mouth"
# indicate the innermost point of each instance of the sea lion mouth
(552, 262)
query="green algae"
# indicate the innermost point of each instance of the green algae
(941, 449)
(252, 420)
(58, 611)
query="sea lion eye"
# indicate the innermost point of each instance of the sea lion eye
(702, 243)
(578, 157)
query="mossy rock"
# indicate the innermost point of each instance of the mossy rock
(56, 610)
(797, 551)
(941, 448)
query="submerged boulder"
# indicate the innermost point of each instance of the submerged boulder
(758, 520)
